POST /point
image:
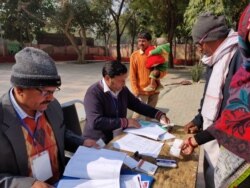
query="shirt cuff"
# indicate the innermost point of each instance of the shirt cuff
(158, 115)
(124, 123)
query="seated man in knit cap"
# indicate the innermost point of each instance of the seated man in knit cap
(106, 104)
(32, 131)
(219, 47)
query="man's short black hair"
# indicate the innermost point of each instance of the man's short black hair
(114, 68)
(145, 35)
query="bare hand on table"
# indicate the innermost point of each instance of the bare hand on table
(191, 128)
(164, 120)
(90, 143)
(188, 146)
(40, 184)
(133, 123)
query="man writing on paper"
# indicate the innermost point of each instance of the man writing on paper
(106, 104)
(32, 131)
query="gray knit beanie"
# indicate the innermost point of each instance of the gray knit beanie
(209, 27)
(34, 68)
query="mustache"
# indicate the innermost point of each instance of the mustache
(46, 102)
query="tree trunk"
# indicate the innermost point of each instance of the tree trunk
(81, 58)
(171, 26)
(133, 39)
(170, 58)
(105, 46)
(134, 31)
(106, 43)
(118, 43)
(132, 44)
(74, 44)
(82, 34)
(174, 56)
(185, 52)
(106, 49)
(170, 39)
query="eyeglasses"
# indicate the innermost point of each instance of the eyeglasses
(202, 39)
(46, 93)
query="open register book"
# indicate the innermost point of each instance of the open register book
(93, 168)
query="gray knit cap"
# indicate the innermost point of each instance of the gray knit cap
(209, 27)
(34, 68)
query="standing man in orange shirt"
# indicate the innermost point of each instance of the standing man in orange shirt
(139, 74)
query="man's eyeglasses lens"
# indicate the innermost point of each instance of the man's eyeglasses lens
(47, 92)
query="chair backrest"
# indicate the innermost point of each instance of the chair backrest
(71, 118)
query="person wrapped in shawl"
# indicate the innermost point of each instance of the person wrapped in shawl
(232, 129)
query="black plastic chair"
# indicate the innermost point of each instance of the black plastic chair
(71, 118)
(72, 123)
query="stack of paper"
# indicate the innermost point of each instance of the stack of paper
(151, 130)
(148, 129)
(95, 168)
(135, 143)
(166, 136)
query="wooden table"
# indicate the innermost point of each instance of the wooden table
(184, 176)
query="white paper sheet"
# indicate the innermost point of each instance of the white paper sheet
(82, 183)
(126, 181)
(135, 143)
(166, 136)
(148, 129)
(91, 163)
(175, 150)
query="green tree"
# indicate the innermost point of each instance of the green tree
(140, 20)
(133, 30)
(105, 25)
(231, 9)
(172, 15)
(68, 17)
(121, 14)
(162, 17)
(22, 27)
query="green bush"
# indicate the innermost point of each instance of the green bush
(196, 72)
(13, 47)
